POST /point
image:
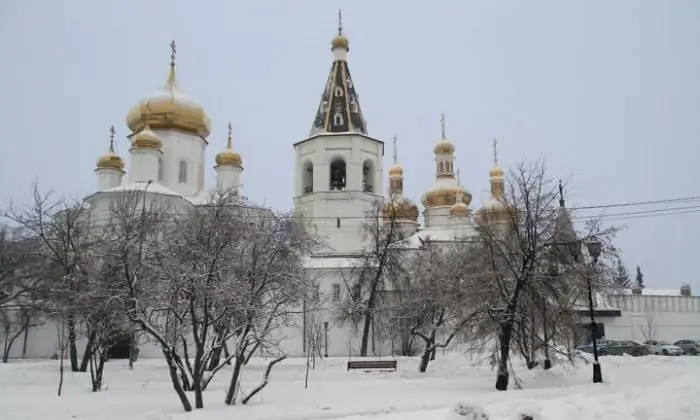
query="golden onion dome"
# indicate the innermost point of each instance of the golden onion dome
(400, 209)
(340, 41)
(228, 157)
(444, 147)
(395, 170)
(110, 160)
(146, 139)
(169, 108)
(446, 196)
(496, 172)
(459, 209)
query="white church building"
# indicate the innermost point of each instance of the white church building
(339, 172)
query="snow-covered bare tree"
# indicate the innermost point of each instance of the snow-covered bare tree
(22, 289)
(439, 299)
(516, 247)
(369, 277)
(270, 284)
(60, 228)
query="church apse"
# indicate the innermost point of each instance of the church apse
(338, 172)
(307, 177)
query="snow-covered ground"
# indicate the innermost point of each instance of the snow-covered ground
(648, 388)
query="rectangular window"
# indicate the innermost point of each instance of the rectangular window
(336, 292)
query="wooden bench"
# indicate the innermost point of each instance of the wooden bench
(368, 365)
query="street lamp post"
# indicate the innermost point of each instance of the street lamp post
(594, 250)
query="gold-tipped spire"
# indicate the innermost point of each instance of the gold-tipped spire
(443, 146)
(395, 170)
(110, 160)
(228, 157)
(340, 40)
(496, 171)
(171, 76)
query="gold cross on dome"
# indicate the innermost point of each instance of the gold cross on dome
(111, 138)
(396, 153)
(442, 124)
(173, 53)
(228, 142)
(495, 152)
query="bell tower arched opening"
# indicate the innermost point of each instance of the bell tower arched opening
(368, 176)
(307, 178)
(338, 172)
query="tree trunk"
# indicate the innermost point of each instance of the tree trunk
(197, 378)
(365, 334)
(60, 369)
(233, 385)
(26, 338)
(504, 337)
(173, 370)
(72, 347)
(87, 354)
(424, 360)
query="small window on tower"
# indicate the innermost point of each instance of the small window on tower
(182, 172)
(337, 222)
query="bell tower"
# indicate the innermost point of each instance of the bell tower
(338, 168)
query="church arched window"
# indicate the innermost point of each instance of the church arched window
(368, 176)
(338, 174)
(307, 178)
(182, 172)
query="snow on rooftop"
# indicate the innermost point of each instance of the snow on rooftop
(652, 292)
(323, 262)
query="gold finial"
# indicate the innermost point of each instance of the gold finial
(495, 153)
(340, 22)
(396, 157)
(228, 142)
(442, 125)
(111, 139)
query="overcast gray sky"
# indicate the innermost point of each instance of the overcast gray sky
(607, 91)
